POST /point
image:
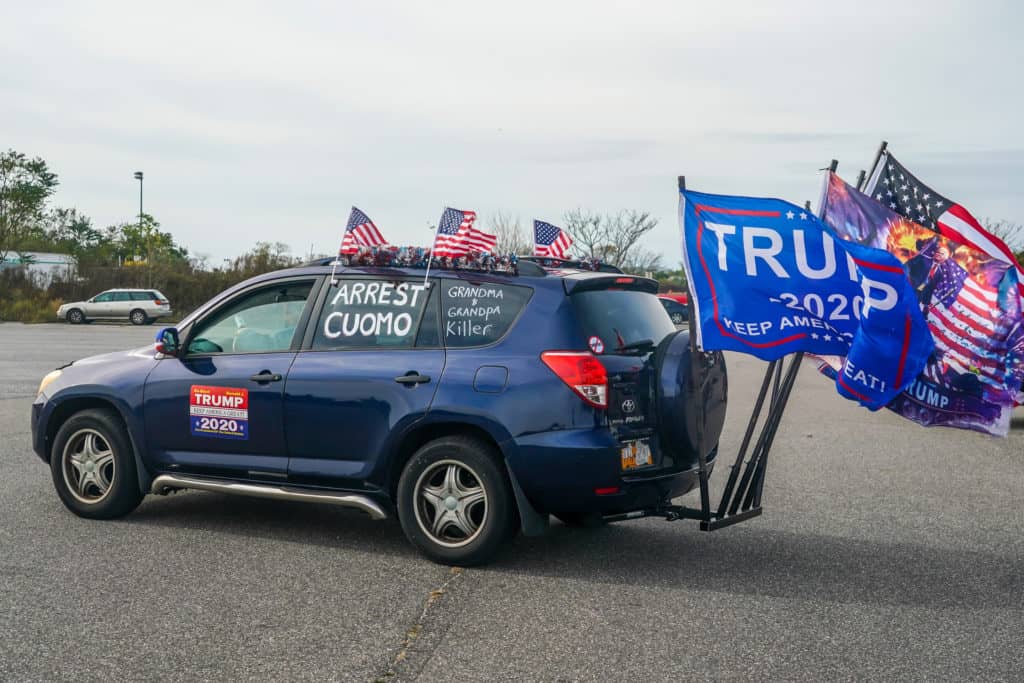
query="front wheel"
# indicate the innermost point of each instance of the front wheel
(678, 319)
(93, 466)
(75, 317)
(454, 501)
(138, 317)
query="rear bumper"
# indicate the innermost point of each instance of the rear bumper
(579, 471)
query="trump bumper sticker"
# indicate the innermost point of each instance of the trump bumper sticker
(220, 412)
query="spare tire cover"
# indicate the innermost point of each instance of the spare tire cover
(676, 399)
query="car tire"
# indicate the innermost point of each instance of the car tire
(455, 502)
(677, 319)
(138, 317)
(93, 466)
(75, 316)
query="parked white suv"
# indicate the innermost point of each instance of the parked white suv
(140, 306)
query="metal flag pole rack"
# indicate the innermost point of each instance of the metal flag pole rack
(741, 497)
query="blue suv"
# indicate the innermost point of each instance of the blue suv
(471, 404)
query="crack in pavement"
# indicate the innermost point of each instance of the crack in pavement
(403, 665)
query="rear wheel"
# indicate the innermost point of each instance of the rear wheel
(138, 317)
(678, 319)
(75, 316)
(454, 501)
(93, 466)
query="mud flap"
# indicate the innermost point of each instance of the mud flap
(532, 523)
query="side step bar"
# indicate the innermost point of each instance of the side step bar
(172, 481)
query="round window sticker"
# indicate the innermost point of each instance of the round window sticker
(596, 345)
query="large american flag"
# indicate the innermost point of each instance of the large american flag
(360, 232)
(550, 240)
(897, 188)
(456, 235)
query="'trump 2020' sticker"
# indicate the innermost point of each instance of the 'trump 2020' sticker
(220, 412)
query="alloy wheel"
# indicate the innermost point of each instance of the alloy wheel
(451, 503)
(88, 466)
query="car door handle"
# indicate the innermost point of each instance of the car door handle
(412, 378)
(266, 376)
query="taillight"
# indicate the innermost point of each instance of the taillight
(583, 372)
(159, 302)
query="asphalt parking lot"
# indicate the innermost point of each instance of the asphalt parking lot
(887, 551)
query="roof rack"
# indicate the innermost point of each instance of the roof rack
(416, 257)
(550, 263)
(390, 256)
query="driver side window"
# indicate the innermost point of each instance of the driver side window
(262, 321)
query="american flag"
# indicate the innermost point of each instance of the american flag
(456, 235)
(360, 232)
(550, 240)
(897, 188)
(971, 328)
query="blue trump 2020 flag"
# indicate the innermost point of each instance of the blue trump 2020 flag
(769, 279)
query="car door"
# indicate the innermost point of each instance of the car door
(217, 408)
(99, 306)
(121, 305)
(368, 370)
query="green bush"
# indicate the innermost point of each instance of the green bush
(21, 301)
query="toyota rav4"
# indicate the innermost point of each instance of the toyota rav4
(468, 404)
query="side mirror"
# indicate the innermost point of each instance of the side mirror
(167, 341)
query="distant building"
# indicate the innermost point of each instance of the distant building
(42, 267)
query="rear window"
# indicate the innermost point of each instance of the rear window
(477, 314)
(620, 317)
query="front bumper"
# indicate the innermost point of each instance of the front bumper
(39, 444)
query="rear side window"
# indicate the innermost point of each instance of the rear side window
(122, 296)
(619, 317)
(372, 313)
(141, 296)
(476, 314)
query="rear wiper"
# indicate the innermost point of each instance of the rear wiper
(638, 345)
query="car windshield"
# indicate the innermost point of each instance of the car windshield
(622, 319)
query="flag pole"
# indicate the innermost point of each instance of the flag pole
(831, 168)
(860, 178)
(874, 164)
(430, 258)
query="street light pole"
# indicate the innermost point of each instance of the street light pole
(138, 176)
(149, 266)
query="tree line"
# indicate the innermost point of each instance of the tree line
(140, 253)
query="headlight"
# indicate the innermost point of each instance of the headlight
(48, 380)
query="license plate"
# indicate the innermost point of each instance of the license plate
(636, 454)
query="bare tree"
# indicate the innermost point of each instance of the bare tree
(613, 238)
(1007, 231)
(512, 236)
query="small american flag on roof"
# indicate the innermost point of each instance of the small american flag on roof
(550, 240)
(456, 235)
(360, 232)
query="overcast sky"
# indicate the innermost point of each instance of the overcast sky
(267, 123)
